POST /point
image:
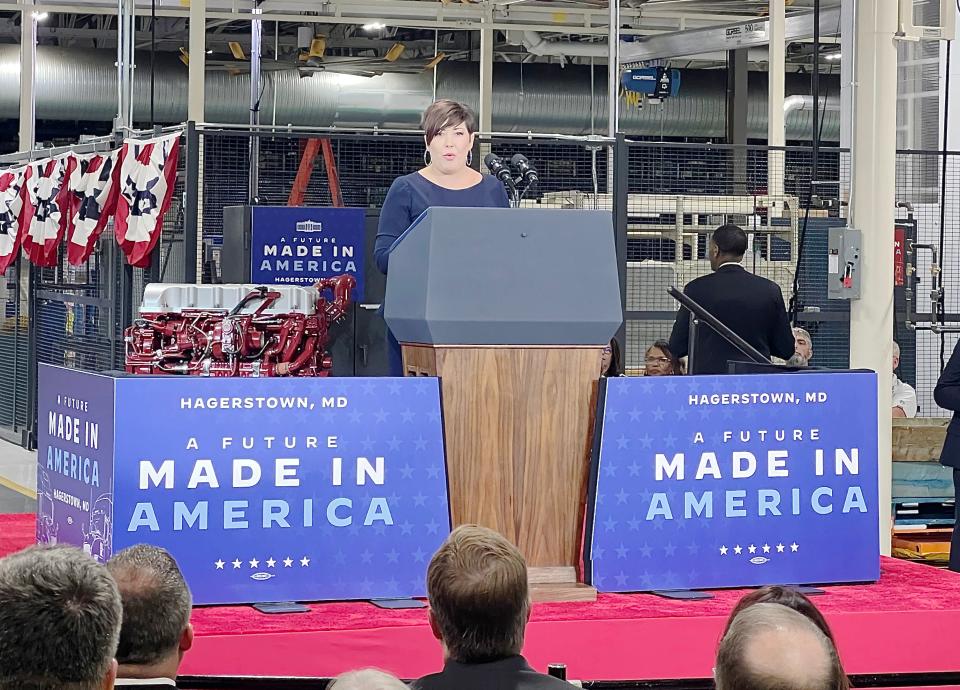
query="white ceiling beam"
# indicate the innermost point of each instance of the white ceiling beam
(416, 14)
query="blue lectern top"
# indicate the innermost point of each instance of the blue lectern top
(494, 276)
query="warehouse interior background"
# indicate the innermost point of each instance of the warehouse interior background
(759, 132)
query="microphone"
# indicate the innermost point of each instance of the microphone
(499, 170)
(529, 175)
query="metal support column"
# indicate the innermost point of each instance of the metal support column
(621, 167)
(737, 116)
(613, 85)
(198, 61)
(256, 32)
(28, 75)
(192, 268)
(872, 211)
(126, 42)
(847, 45)
(776, 73)
(486, 85)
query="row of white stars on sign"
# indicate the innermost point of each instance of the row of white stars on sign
(766, 548)
(269, 563)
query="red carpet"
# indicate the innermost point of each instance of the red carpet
(906, 623)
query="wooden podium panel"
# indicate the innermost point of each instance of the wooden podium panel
(518, 422)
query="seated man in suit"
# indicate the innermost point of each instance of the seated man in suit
(479, 605)
(749, 305)
(156, 628)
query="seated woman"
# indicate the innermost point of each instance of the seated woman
(660, 361)
(610, 362)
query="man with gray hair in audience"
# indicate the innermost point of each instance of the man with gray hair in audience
(59, 621)
(773, 646)
(156, 627)
(802, 348)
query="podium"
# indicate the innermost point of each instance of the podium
(512, 308)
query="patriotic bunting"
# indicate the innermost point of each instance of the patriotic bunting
(11, 203)
(94, 185)
(74, 196)
(148, 171)
(46, 211)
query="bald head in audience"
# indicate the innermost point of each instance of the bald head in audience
(366, 679)
(772, 647)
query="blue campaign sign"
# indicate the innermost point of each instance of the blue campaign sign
(300, 244)
(284, 489)
(263, 489)
(730, 481)
(75, 459)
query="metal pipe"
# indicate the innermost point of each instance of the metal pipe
(815, 92)
(613, 82)
(196, 82)
(256, 30)
(74, 84)
(28, 78)
(776, 115)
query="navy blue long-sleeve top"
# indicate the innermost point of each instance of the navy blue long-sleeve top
(412, 194)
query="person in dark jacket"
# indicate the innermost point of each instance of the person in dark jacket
(479, 606)
(947, 396)
(749, 305)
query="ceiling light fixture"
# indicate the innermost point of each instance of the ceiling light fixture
(373, 26)
(832, 57)
(40, 16)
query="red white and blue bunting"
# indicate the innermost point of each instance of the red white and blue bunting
(71, 198)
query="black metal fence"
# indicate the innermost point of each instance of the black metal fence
(666, 198)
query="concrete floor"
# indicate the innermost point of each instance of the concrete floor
(18, 479)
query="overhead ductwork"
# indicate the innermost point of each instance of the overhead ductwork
(535, 44)
(81, 85)
(797, 102)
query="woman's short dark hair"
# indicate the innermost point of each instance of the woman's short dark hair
(616, 360)
(446, 113)
(664, 347)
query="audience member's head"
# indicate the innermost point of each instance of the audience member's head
(802, 345)
(896, 355)
(785, 596)
(611, 364)
(479, 598)
(366, 679)
(59, 621)
(660, 361)
(772, 646)
(156, 627)
(728, 243)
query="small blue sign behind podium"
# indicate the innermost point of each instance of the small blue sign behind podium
(264, 489)
(301, 244)
(732, 481)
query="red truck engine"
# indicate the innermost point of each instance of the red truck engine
(236, 330)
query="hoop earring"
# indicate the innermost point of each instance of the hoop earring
(469, 158)
(426, 157)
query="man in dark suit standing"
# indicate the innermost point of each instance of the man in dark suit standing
(751, 306)
(947, 396)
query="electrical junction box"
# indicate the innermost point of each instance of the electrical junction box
(843, 263)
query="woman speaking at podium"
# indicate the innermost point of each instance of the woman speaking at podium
(445, 180)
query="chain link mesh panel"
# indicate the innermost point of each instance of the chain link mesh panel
(679, 193)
